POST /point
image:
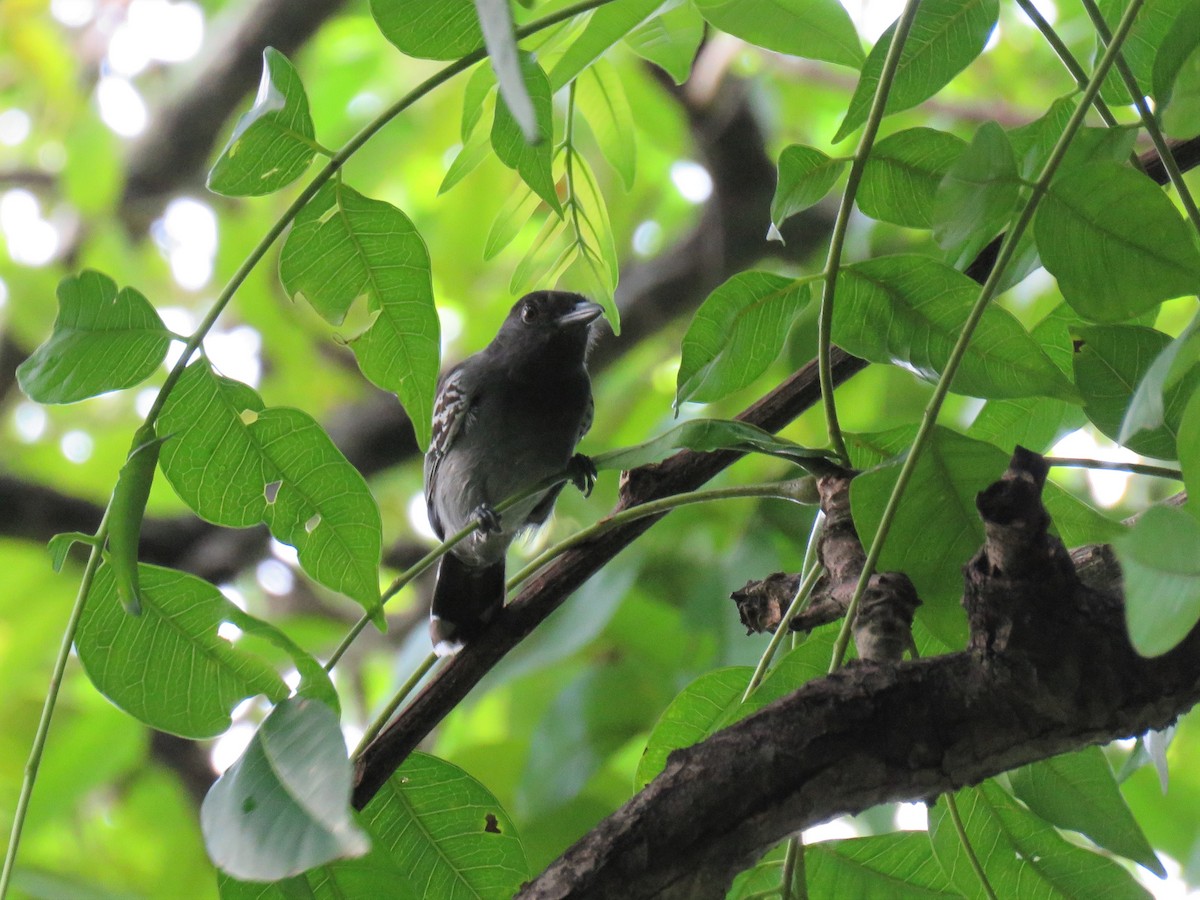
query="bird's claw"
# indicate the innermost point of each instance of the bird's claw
(582, 472)
(488, 518)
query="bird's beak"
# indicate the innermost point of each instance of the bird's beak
(584, 312)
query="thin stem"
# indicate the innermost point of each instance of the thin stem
(798, 605)
(1070, 63)
(1135, 468)
(34, 761)
(841, 225)
(1148, 120)
(388, 711)
(793, 862)
(976, 865)
(777, 490)
(990, 288)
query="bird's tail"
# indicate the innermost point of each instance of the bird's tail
(464, 600)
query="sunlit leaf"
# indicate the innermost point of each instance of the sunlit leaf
(495, 20)
(102, 341)
(894, 866)
(601, 97)
(945, 37)
(273, 143)
(284, 806)
(514, 215)
(814, 30)
(444, 30)
(736, 333)
(605, 27)
(1115, 242)
(344, 244)
(532, 161)
(237, 463)
(670, 40)
(1160, 559)
(902, 175)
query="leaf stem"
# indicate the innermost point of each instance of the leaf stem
(798, 605)
(841, 225)
(976, 865)
(990, 288)
(1112, 465)
(388, 711)
(34, 761)
(1148, 120)
(793, 861)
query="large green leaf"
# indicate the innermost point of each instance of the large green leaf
(168, 666)
(805, 177)
(102, 341)
(670, 40)
(447, 832)
(1160, 559)
(344, 244)
(910, 310)
(601, 98)
(284, 806)
(605, 27)
(1115, 242)
(238, 463)
(977, 197)
(1153, 22)
(902, 175)
(814, 30)
(444, 30)
(898, 866)
(946, 36)
(375, 874)
(273, 143)
(1021, 855)
(1109, 365)
(736, 333)
(1078, 791)
(534, 162)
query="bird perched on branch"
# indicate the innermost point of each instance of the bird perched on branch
(505, 420)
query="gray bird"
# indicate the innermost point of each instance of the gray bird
(505, 419)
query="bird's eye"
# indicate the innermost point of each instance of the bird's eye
(529, 313)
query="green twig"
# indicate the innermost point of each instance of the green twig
(976, 865)
(1134, 468)
(388, 711)
(990, 288)
(798, 605)
(1148, 120)
(841, 224)
(793, 863)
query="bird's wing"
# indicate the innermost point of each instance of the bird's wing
(452, 412)
(586, 422)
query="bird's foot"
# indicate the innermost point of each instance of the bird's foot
(487, 517)
(582, 472)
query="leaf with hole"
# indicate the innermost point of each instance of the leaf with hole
(273, 143)
(344, 244)
(236, 462)
(103, 340)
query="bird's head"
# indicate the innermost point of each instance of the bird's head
(549, 326)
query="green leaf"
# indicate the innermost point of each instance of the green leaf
(447, 832)
(1160, 559)
(373, 875)
(670, 40)
(814, 30)
(273, 143)
(737, 333)
(1178, 359)
(699, 710)
(102, 341)
(601, 97)
(495, 20)
(1115, 242)
(1180, 42)
(946, 36)
(605, 27)
(910, 309)
(516, 212)
(168, 667)
(798, 666)
(532, 161)
(237, 463)
(805, 177)
(1020, 854)
(474, 151)
(1153, 22)
(705, 435)
(1189, 447)
(126, 511)
(344, 244)
(444, 30)
(977, 197)
(60, 545)
(1108, 368)
(1035, 422)
(1033, 143)
(479, 87)
(898, 866)
(902, 175)
(1078, 791)
(284, 806)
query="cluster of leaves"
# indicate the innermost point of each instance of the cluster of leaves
(1112, 239)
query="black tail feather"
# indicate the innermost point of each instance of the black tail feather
(464, 600)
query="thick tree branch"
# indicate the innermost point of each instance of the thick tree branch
(1049, 670)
